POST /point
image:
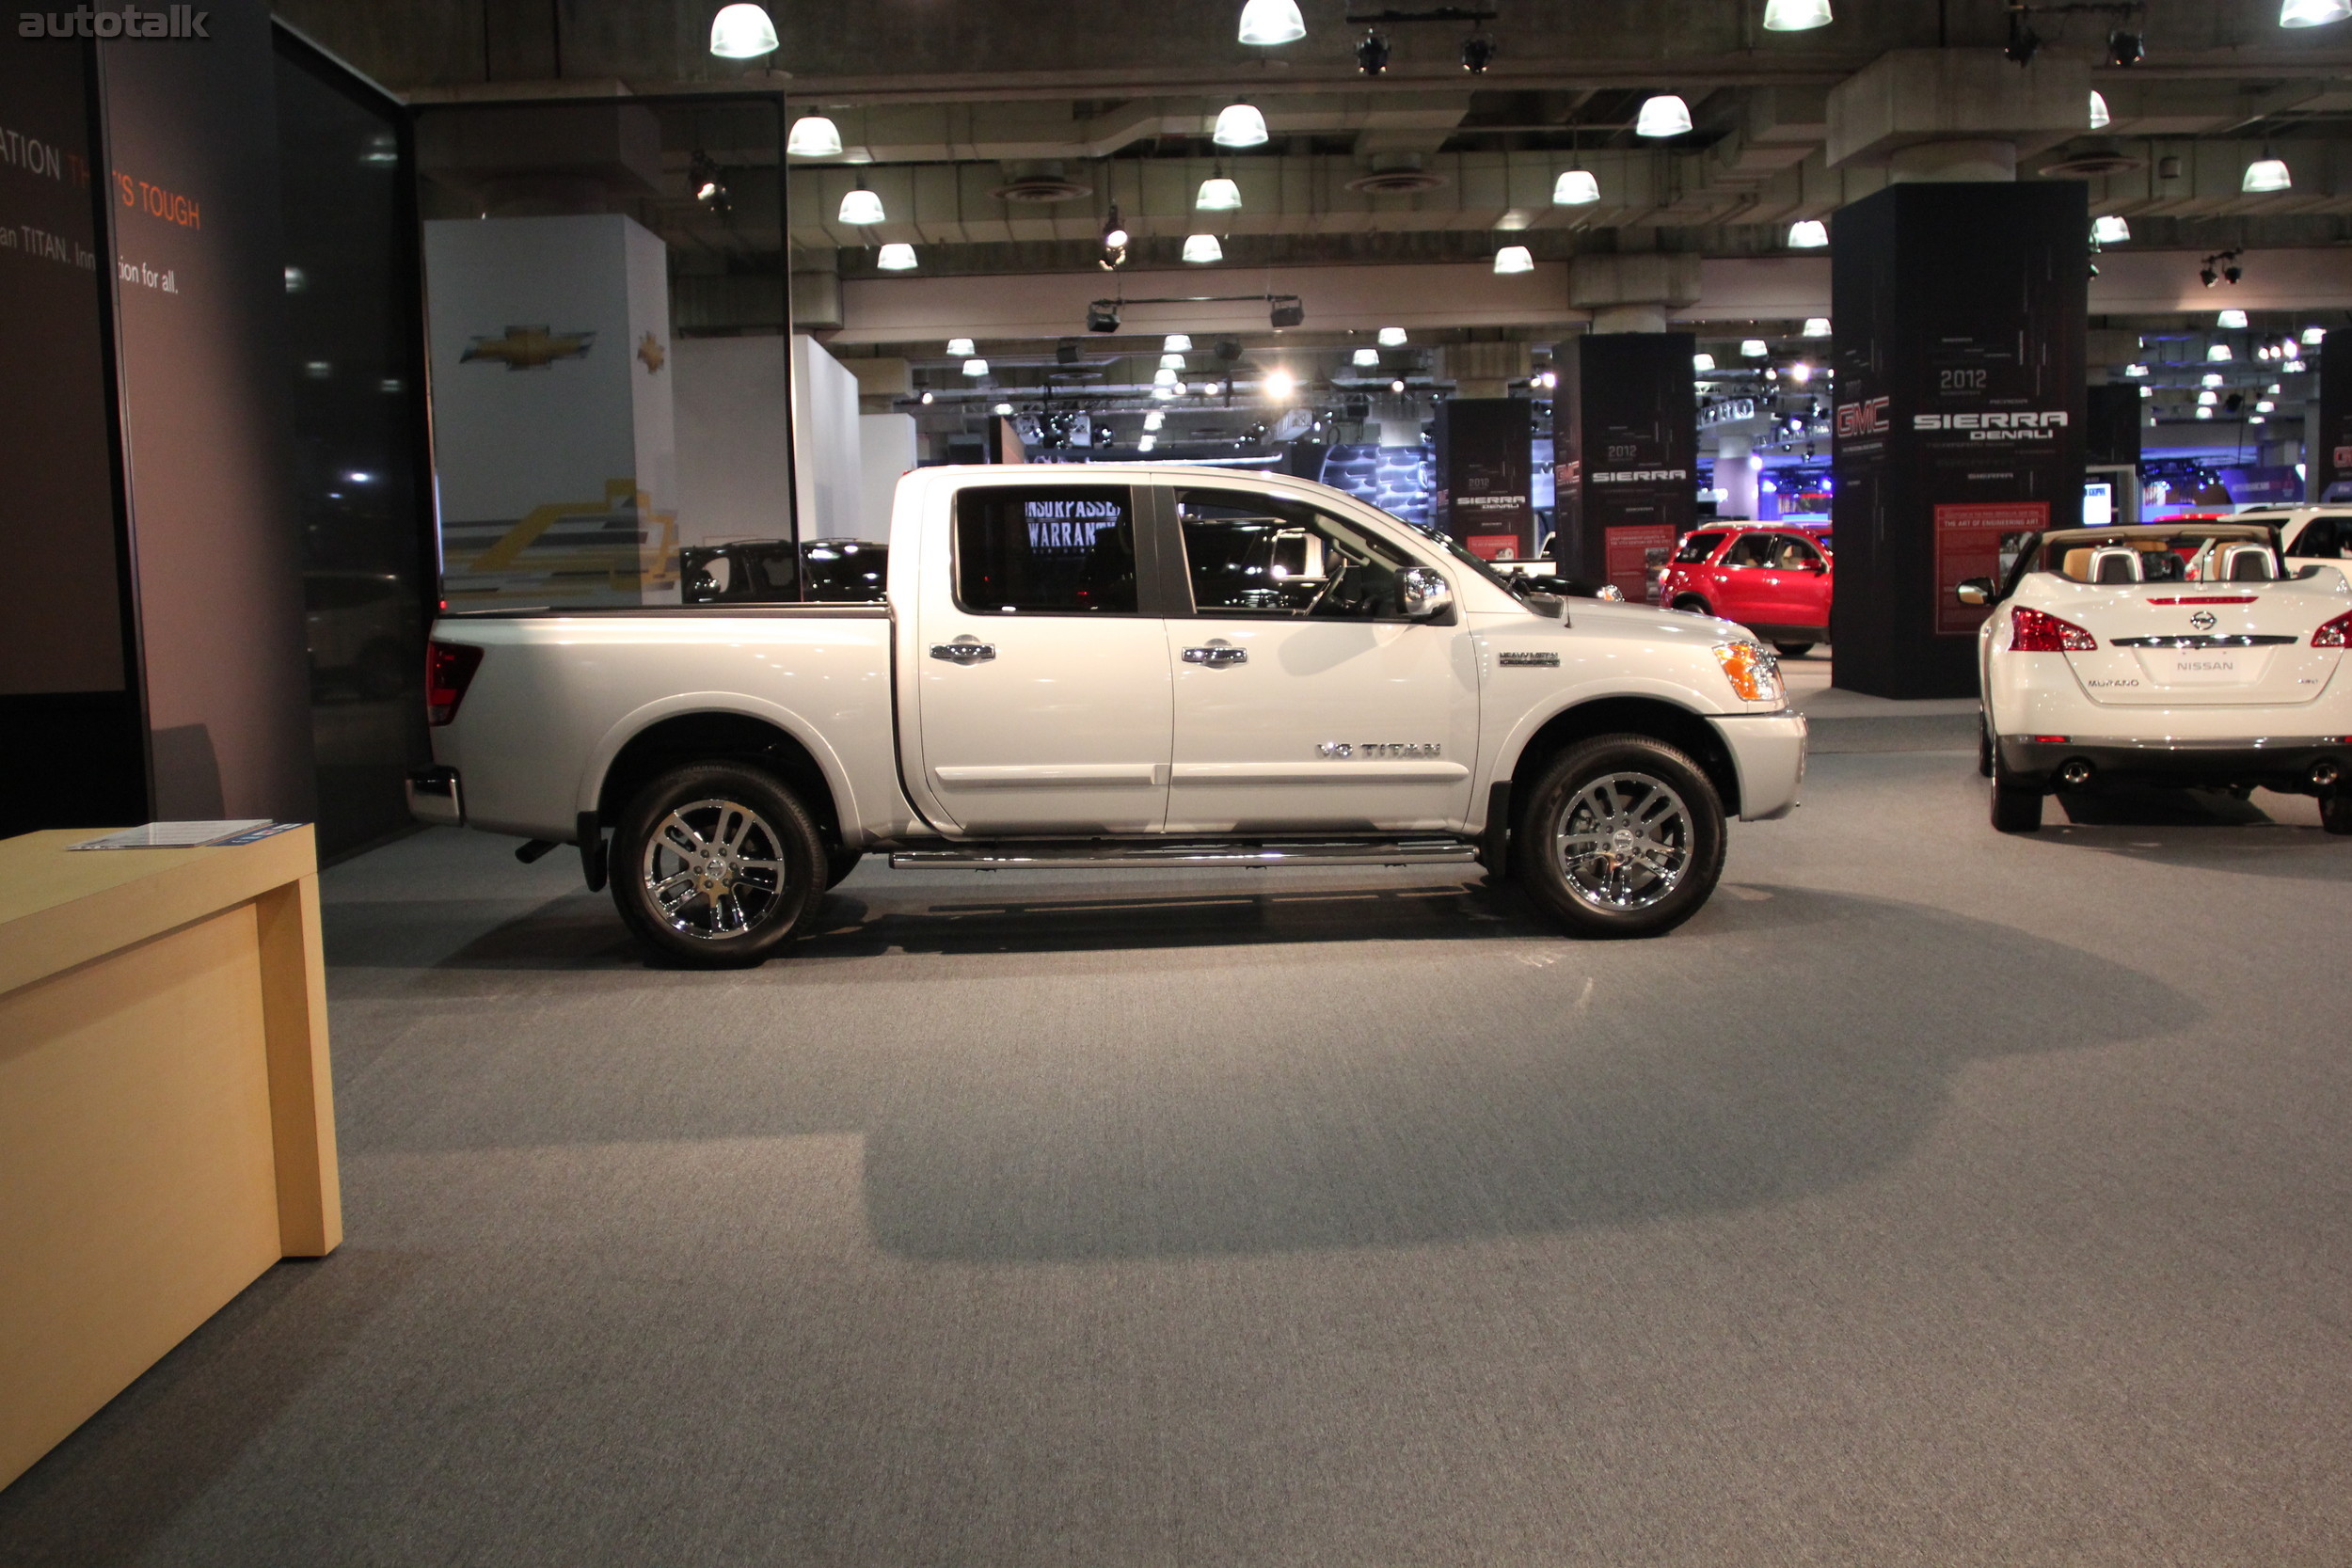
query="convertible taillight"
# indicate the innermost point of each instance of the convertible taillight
(2036, 631)
(449, 669)
(2334, 634)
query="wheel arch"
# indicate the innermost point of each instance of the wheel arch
(684, 730)
(1679, 726)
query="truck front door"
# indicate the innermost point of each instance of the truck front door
(1304, 700)
(1045, 688)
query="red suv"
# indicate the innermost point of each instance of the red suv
(1775, 581)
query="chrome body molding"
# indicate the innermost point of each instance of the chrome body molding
(1144, 855)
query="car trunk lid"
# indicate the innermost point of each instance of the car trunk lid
(2206, 644)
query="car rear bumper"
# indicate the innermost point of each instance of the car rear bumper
(1767, 754)
(2272, 762)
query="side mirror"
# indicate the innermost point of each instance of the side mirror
(1974, 591)
(1427, 595)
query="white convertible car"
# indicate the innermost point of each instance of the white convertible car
(2170, 653)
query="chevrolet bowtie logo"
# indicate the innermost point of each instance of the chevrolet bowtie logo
(529, 348)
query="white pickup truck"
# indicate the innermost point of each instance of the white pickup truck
(1129, 666)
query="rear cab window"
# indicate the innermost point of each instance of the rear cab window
(1045, 549)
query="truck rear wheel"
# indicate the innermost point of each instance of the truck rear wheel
(1622, 836)
(714, 864)
(2335, 810)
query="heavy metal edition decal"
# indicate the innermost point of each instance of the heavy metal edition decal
(1529, 660)
(1344, 750)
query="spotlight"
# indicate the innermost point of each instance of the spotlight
(1393, 337)
(1103, 316)
(1203, 248)
(2024, 43)
(710, 189)
(1114, 232)
(896, 258)
(1799, 373)
(1372, 54)
(1280, 384)
(1665, 115)
(1366, 357)
(1227, 349)
(1809, 234)
(1239, 125)
(927, 399)
(742, 33)
(1396, 386)
(2109, 229)
(1285, 310)
(1575, 188)
(1266, 22)
(1478, 52)
(814, 137)
(2125, 48)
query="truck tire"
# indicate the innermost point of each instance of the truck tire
(2016, 808)
(1622, 836)
(1794, 650)
(1984, 746)
(715, 864)
(1691, 604)
(2335, 810)
(839, 862)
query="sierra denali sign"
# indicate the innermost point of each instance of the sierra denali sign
(2024, 425)
(1639, 476)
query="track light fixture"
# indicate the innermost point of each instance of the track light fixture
(2024, 43)
(1114, 241)
(1372, 53)
(1103, 316)
(2125, 47)
(710, 189)
(1478, 52)
(2230, 270)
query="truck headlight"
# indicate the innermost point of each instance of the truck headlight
(1754, 673)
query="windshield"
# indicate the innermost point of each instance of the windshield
(1454, 548)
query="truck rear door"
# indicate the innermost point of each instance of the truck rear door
(1044, 687)
(1304, 700)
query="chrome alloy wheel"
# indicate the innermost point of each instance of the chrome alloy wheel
(1624, 842)
(714, 869)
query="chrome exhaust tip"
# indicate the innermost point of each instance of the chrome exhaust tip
(2076, 773)
(2325, 774)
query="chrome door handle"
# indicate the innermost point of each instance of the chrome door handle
(1217, 657)
(966, 651)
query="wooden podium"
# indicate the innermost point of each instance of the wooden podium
(167, 1110)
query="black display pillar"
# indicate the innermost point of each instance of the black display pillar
(1626, 441)
(2331, 461)
(1485, 496)
(1960, 314)
(2111, 433)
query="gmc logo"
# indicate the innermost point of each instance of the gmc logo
(1861, 418)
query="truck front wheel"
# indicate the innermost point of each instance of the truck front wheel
(715, 863)
(1623, 836)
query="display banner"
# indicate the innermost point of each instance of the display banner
(199, 281)
(1632, 552)
(1627, 442)
(2329, 463)
(1960, 412)
(1484, 494)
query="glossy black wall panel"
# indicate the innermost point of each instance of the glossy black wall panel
(1626, 442)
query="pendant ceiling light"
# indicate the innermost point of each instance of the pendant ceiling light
(1575, 188)
(1176, 343)
(1702, 362)
(1367, 356)
(2230, 321)
(1809, 234)
(1817, 327)
(1391, 337)
(1796, 16)
(1218, 194)
(1203, 247)
(2208, 399)
(1753, 348)
(1239, 125)
(1665, 115)
(1266, 22)
(976, 368)
(2266, 173)
(1147, 443)
(2314, 336)
(961, 348)
(1163, 377)
(814, 137)
(1155, 419)
(896, 258)
(2313, 14)
(742, 33)
(1001, 410)
(1171, 361)
(2110, 229)
(2099, 115)
(1514, 258)
(861, 206)
(2218, 354)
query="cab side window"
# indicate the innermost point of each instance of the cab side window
(1750, 549)
(1792, 554)
(1696, 548)
(1045, 549)
(2324, 539)
(1265, 555)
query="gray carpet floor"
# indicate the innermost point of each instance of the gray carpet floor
(1933, 1198)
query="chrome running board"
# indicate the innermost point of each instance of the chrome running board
(1194, 854)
